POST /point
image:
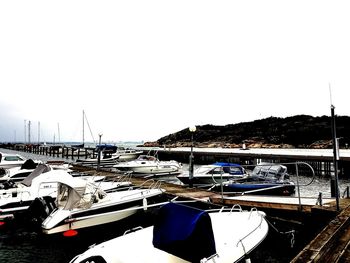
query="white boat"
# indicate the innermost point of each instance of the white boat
(8, 160)
(185, 234)
(147, 164)
(214, 174)
(18, 196)
(105, 160)
(19, 173)
(126, 154)
(80, 204)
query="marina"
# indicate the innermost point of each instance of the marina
(292, 214)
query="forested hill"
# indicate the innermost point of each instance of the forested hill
(301, 131)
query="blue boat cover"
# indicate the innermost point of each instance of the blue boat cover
(184, 231)
(227, 164)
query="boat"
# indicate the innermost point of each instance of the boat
(81, 204)
(265, 179)
(8, 160)
(107, 160)
(16, 197)
(19, 173)
(149, 165)
(126, 154)
(182, 233)
(215, 173)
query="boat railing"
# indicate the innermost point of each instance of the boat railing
(251, 232)
(151, 184)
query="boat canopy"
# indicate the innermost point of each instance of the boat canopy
(80, 194)
(40, 169)
(185, 232)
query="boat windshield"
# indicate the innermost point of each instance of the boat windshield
(271, 172)
(79, 197)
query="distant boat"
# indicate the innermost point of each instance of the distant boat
(147, 165)
(185, 234)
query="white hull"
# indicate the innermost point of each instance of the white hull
(155, 169)
(120, 205)
(94, 220)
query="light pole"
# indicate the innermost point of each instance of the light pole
(192, 131)
(99, 152)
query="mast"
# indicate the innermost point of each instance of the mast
(58, 131)
(29, 124)
(38, 132)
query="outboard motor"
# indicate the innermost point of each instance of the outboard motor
(40, 209)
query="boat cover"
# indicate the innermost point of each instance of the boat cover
(29, 164)
(185, 232)
(226, 168)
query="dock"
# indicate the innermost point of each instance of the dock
(332, 244)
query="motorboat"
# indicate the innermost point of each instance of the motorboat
(265, 179)
(16, 197)
(81, 204)
(126, 154)
(148, 164)
(214, 173)
(8, 160)
(105, 160)
(18, 173)
(182, 233)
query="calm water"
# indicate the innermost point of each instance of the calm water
(19, 244)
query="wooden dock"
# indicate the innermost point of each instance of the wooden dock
(332, 244)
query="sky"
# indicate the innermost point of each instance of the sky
(142, 70)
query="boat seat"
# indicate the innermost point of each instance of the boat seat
(184, 231)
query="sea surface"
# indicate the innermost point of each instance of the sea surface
(19, 243)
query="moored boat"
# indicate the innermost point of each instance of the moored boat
(213, 174)
(147, 164)
(185, 234)
(266, 179)
(80, 204)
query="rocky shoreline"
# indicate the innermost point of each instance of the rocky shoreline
(300, 131)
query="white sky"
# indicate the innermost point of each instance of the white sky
(144, 69)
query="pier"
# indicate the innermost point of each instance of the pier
(321, 160)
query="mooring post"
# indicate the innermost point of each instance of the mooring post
(190, 177)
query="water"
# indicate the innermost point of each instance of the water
(20, 244)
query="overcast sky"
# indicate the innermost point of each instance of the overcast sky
(144, 69)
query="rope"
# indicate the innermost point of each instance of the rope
(288, 233)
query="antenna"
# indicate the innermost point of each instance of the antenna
(330, 94)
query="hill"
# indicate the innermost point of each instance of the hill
(300, 131)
